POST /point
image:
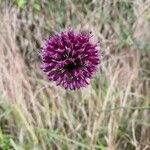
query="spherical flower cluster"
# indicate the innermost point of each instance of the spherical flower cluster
(70, 59)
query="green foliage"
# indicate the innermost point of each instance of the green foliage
(60, 9)
(82, 1)
(125, 21)
(122, 130)
(126, 35)
(37, 6)
(4, 141)
(21, 3)
(126, 10)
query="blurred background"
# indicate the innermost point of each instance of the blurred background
(112, 113)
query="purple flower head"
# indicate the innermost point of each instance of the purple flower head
(70, 59)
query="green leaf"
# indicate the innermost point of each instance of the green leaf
(21, 3)
(37, 7)
(129, 40)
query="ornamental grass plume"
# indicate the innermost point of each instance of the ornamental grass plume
(70, 59)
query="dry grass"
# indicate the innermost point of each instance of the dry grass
(112, 113)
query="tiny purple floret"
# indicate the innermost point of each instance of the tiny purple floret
(70, 59)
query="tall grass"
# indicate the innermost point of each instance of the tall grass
(112, 113)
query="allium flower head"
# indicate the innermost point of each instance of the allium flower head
(70, 59)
